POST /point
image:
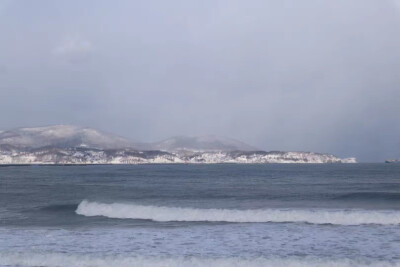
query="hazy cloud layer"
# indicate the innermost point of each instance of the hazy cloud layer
(282, 75)
(74, 48)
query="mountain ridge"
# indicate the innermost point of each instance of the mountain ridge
(201, 143)
(61, 136)
(69, 144)
(65, 135)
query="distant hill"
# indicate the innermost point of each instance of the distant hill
(67, 136)
(61, 136)
(68, 144)
(201, 144)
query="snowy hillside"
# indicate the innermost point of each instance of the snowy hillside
(201, 143)
(129, 156)
(66, 144)
(61, 136)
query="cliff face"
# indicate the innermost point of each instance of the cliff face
(128, 156)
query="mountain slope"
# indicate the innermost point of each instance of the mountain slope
(201, 143)
(67, 144)
(61, 136)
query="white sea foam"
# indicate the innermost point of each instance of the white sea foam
(61, 260)
(164, 214)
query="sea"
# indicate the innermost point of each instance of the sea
(200, 215)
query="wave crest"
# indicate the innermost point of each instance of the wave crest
(165, 214)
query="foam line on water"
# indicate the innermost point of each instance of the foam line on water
(165, 214)
(63, 260)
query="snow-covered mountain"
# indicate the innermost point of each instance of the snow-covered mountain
(201, 144)
(61, 136)
(66, 144)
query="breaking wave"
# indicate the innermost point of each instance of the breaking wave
(61, 260)
(165, 214)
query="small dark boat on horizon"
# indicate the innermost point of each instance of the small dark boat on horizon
(392, 161)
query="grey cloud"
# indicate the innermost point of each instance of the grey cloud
(74, 48)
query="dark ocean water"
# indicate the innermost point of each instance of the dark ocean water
(196, 215)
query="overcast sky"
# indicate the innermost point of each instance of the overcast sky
(304, 75)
